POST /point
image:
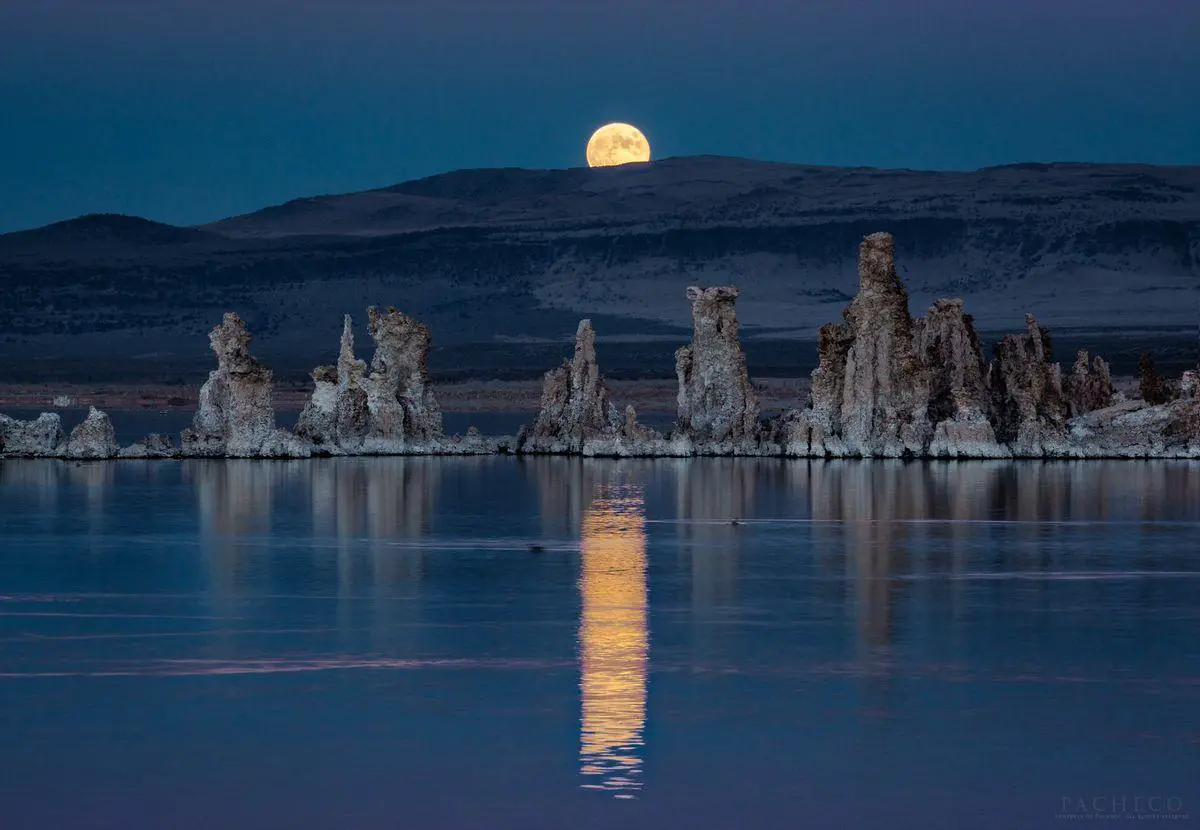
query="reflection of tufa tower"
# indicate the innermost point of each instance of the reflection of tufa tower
(375, 511)
(709, 496)
(613, 639)
(235, 499)
(565, 489)
(868, 506)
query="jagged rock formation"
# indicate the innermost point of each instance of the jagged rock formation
(235, 418)
(575, 406)
(92, 438)
(817, 431)
(152, 446)
(969, 434)
(317, 421)
(1029, 406)
(576, 414)
(351, 415)
(39, 437)
(947, 344)
(336, 419)
(1153, 389)
(958, 394)
(717, 404)
(1138, 429)
(392, 410)
(870, 391)
(1089, 386)
(1189, 384)
(1126, 430)
(402, 410)
(887, 385)
(1185, 417)
(792, 434)
(634, 433)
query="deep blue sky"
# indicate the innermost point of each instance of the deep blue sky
(190, 110)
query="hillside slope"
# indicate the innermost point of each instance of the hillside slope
(502, 263)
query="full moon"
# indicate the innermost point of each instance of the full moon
(615, 144)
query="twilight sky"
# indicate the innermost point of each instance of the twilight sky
(187, 111)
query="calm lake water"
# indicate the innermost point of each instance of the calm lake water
(549, 643)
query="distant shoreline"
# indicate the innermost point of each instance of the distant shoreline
(497, 396)
(648, 396)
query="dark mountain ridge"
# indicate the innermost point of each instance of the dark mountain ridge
(502, 263)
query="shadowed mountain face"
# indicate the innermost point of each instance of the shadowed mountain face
(501, 264)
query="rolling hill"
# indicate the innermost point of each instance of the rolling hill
(502, 263)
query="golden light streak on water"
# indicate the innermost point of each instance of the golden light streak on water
(613, 640)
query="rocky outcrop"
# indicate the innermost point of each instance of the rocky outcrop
(39, 437)
(391, 410)
(634, 433)
(948, 346)
(1089, 386)
(958, 394)
(870, 391)
(968, 434)
(575, 406)
(403, 414)
(890, 386)
(1152, 387)
(717, 404)
(1184, 426)
(1127, 430)
(576, 414)
(1029, 408)
(792, 434)
(887, 385)
(818, 430)
(351, 415)
(152, 446)
(235, 418)
(92, 438)
(336, 419)
(1189, 385)
(317, 421)
(1138, 429)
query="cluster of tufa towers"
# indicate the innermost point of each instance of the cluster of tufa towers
(888, 385)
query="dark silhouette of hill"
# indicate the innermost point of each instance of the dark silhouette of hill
(502, 263)
(102, 234)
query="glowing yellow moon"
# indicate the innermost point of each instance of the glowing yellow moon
(615, 144)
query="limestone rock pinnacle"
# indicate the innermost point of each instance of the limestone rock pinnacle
(716, 401)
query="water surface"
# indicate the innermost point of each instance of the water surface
(522, 643)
